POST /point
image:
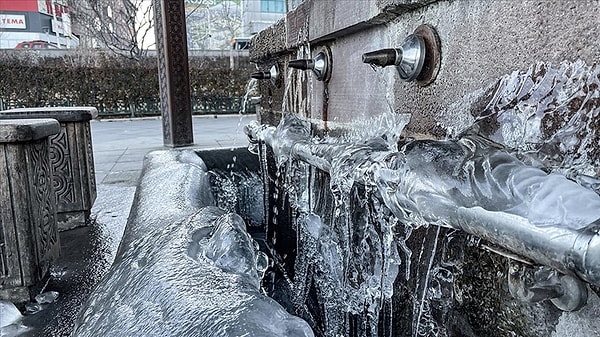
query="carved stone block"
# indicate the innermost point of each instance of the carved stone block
(72, 160)
(28, 231)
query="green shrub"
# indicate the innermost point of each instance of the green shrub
(111, 83)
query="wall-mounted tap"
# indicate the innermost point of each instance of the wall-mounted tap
(418, 58)
(272, 74)
(408, 59)
(321, 65)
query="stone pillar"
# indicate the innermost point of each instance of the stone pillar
(72, 160)
(28, 232)
(173, 72)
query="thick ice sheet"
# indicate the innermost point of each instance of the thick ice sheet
(185, 268)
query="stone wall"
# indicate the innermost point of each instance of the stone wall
(486, 47)
(480, 41)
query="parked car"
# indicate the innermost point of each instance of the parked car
(38, 44)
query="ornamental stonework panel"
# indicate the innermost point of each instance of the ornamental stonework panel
(60, 160)
(43, 209)
(90, 171)
(29, 240)
(71, 158)
(3, 256)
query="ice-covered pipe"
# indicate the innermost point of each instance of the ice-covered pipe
(565, 249)
(471, 184)
(291, 142)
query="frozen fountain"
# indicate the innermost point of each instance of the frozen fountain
(471, 184)
(462, 219)
(352, 204)
(361, 233)
(466, 203)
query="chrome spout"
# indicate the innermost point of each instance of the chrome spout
(417, 59)
(408, 59)
(320, 65)
(383, 57)
(272, 74)
(261, 75)
(540, 283)
(302, 64)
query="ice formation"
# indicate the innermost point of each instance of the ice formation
(425, 180)
(10, 320)
(351, 252)
(550, 112)
(10, 314)
(185, 268)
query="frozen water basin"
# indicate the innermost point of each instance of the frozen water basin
(186, 267)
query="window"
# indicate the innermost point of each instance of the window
(272, 6)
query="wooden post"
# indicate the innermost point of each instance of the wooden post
(173, 72)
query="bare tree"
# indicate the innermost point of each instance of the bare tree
(212, 24)
(198, 25)
(228, 22)
(124, 26)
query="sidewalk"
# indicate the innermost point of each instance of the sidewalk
(120, 145)
(88, 252)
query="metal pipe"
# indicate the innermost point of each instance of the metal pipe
(272, 74)
(383, 57)
(321, 65)
(408, 59)
(573, 251)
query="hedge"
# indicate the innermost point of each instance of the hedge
(111, 83)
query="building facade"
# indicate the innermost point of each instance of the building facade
(211, 25)
(260, 14)
(224, 24)
(42, 24)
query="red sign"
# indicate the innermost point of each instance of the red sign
(19, 6)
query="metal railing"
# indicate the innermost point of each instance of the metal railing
(209, 105)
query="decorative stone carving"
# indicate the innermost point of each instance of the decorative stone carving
(29, 235)
(72, 160)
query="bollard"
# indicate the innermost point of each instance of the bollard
(29, 240)
(72, 159)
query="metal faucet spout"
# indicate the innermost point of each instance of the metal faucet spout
(320, 65)
(261, 75)
(302, 64)
(383, 57)
(408, 59)
(272, 74)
